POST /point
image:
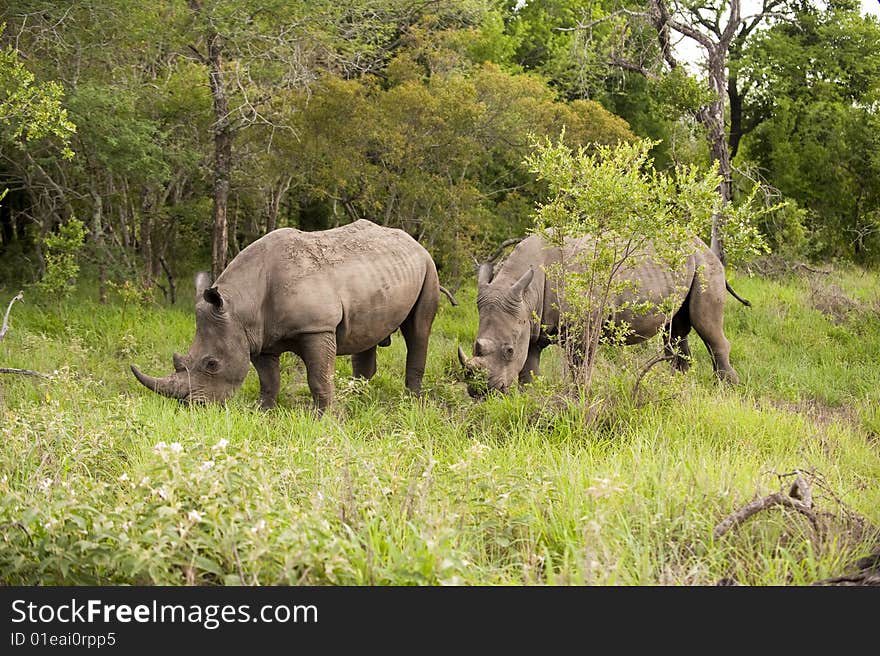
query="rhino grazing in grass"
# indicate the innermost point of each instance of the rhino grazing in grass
(317, 294)
(519, 311)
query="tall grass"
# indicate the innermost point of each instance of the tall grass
(103, 482)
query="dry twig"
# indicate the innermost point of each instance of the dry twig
(655, 360)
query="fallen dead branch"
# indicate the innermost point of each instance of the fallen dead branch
(867, 572)
(776, 266)
(23, 372)
(798, 498)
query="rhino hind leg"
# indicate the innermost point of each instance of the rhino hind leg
(269, 372)
(706, 309)
(677, 346)
(363, 364)
(416, 330)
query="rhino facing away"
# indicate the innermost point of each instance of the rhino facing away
(317, 294)
(519, 311)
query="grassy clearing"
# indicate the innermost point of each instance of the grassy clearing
(103, 482)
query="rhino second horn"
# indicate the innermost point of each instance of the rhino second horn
(168, 386)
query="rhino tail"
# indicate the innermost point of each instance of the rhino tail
(736, 296)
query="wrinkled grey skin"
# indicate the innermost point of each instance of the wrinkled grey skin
(519, 315)
(317, 294)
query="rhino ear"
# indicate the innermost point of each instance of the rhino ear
(520, 285)
(202, 282)
(484, 274)
(212, 295)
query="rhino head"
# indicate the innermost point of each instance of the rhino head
(218, 360)
(503, 335)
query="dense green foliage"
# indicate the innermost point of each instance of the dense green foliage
(105, 482)
(411, 115)
(815, 128)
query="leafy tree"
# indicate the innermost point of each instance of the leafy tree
(625, 213)
(814, 129)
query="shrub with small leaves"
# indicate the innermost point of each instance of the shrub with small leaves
(61, 251)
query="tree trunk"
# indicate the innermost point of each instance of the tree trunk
(222, 155)
(712, 118)
(98, 240)
(736, 108)
(276, 195)
(146, 239)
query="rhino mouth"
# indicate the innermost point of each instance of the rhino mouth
(479, 380)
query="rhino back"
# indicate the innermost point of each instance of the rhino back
(360, 280)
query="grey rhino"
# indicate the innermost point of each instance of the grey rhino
(318, 294)
(519, 311)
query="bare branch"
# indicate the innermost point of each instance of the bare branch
(202, 59)
(655, 360)
(500, 250)
(5, 328)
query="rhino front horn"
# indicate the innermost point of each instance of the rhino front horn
(462, 358)
(168, 386)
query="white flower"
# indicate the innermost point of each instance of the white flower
(123, 477)
(205, 466)
(175, 447)
(145, 481)
(126, 525)
(194, 515)
(221, 444)
(260, 526)
(160, 447)
(163, 493)
(46, 483)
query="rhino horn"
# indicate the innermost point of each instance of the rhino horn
(462, 358)
(520, 285)
(168, 386)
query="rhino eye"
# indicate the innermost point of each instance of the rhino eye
(507, 353)
(211, 365)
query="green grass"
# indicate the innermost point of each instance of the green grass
(103, 482)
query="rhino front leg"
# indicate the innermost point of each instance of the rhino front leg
(530, 369)
(269, 371)
(363, 364)
(318, 352)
